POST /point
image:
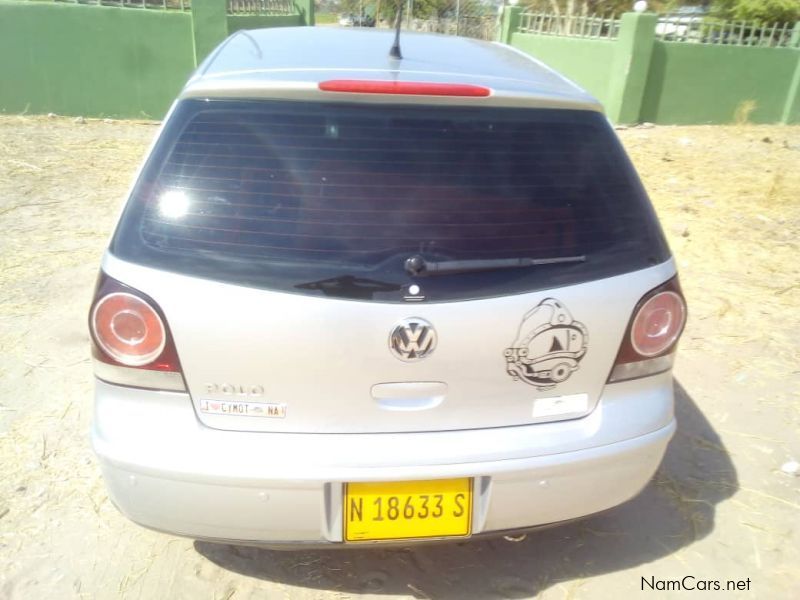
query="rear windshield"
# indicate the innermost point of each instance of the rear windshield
(333, 198)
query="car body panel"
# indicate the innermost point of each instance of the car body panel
(269, 488)
(320, 357)
(289, 63)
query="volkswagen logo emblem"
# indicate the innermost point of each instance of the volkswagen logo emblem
(412, 339)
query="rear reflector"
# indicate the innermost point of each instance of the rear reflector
(138, 378)
(407, 88)
(643, 368)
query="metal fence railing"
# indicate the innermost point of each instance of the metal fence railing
(183, 5)
(586, 26)
(479, 27)
(704, 30)
(235, 7)
(467, 18)
(261, 7)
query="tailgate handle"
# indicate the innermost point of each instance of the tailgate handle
(409, 395)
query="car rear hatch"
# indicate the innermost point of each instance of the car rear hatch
(276, 236)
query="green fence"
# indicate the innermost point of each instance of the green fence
(129, 59)
(643, 68)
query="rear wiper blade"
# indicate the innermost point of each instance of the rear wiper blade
(418, 266)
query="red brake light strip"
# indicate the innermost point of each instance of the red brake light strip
(405, 88)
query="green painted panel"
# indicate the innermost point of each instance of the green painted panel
(699, 83)
(791, 110)
(587, 62)
(235, 23)
(92, 60)
(209, 26)
(306, 10)
(632, 52)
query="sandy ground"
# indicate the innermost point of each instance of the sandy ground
(719, 508)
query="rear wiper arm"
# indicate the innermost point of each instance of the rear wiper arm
(416, 265)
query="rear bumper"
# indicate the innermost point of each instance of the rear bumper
(168, 472)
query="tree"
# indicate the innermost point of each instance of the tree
(587, 7)
(765, 11)
(387, 9)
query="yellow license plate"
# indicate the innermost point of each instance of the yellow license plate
(407, 509)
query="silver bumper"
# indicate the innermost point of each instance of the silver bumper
(168, 472)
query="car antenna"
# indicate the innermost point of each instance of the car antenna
(395, 51)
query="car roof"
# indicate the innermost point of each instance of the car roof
(290, 62)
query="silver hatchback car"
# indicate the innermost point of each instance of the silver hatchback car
(358, 299)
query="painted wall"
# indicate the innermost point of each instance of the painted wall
(92, 61)
(693, 83)
(119, 62)
(586, 61)
(639, 78)
(100, 61)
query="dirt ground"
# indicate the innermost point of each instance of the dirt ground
(720, 507)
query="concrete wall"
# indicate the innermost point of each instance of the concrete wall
(120, 62)
(639, 78)
(587, 62)
(90, 60)
(693, 83)
(100, 61)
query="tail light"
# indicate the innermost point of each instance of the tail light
(649, 344)
(131, 341)
(128, 329)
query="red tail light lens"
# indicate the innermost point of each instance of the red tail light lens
(653, 332)
(409, 88)
(658, 324)
(128, 329)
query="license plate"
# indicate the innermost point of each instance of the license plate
(407, 509)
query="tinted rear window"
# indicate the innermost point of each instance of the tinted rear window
(333, 198)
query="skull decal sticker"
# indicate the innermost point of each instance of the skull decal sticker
(549, 346)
